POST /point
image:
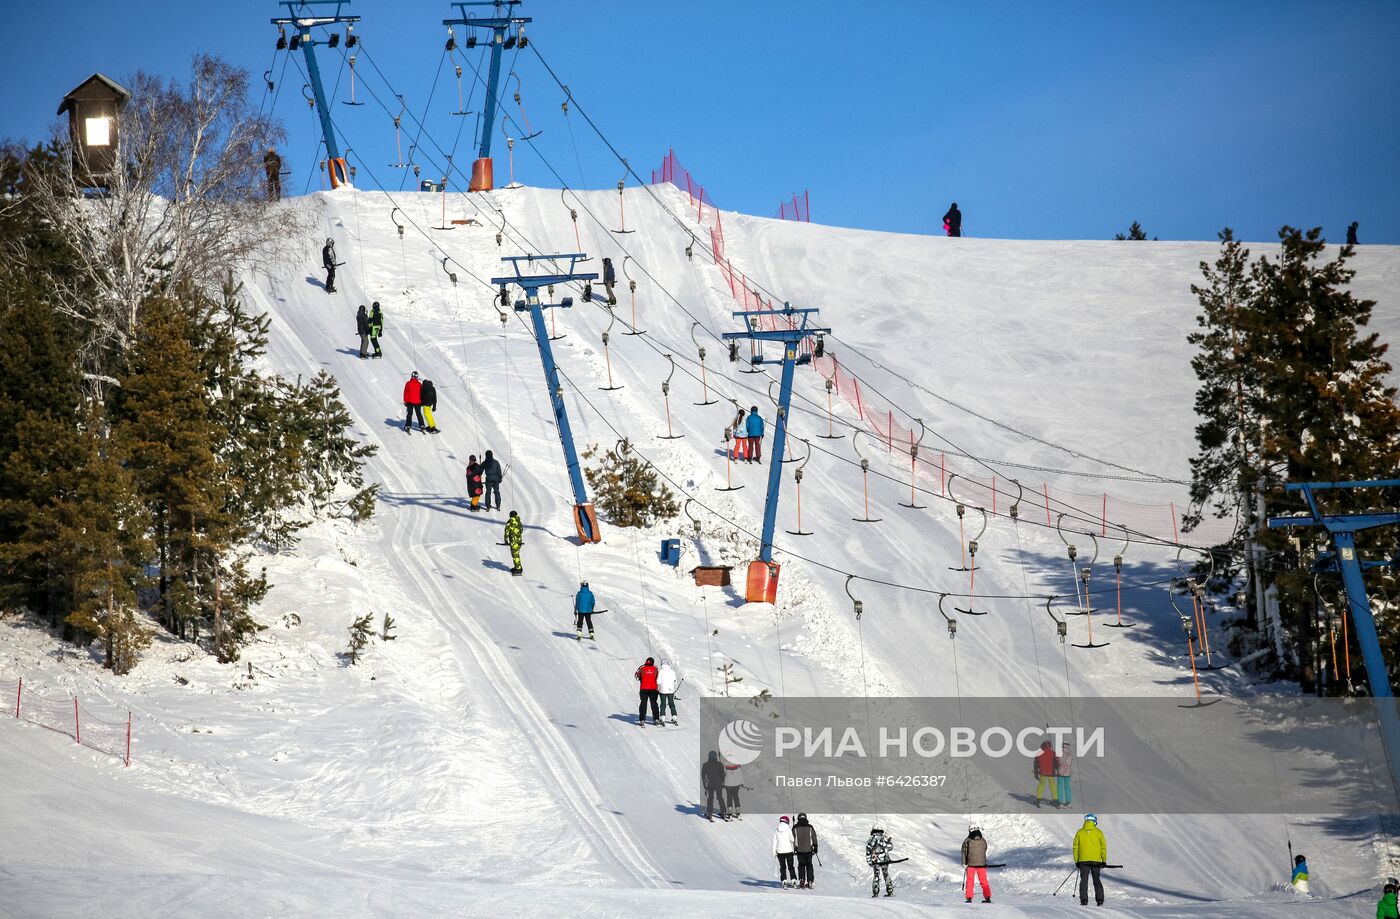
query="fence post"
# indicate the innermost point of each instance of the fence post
(943, 474)
(1176, 537)
(1103, 520)
(807, 204)
(889, 423)
(128, 738)
(994, 495)
(860, 411)
(77, 725)
(19, 693)
(1046, 489)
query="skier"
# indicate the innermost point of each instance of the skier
(584, 604)
(609, 279)
(740, 450)
(754, 427)
(877, 856)
(1043, 768)
(712, 780)
(646, 677)
(491, 474)
(515, 538)
(474, 481)
(376, 327)
(1386, 907)
(428, 396)
(272, 164)
(362, 329)
(1090, 855)
(974, 859)
(783, 847)
(329, 263)
(666, 685)
(1062, 777)
(1300, 874)
(1351, 233)
(952, 221)
(733, 781)
(804, 836)
(412, 402)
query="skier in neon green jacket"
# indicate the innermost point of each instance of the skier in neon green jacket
(1090, 855)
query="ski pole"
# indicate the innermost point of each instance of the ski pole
(1065, 881)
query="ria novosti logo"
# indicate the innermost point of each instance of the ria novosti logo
(740, 742)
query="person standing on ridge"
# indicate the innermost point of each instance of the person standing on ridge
(1090, 855)
(1300, 874)
(609, 280)
(474, 482)
(584, 604)
(428, 396)
(733, 782)
(1386, 907)
(754, 428)
(362, 329)
(712, 780)
(1043, 768)
(515, 538)
(1351, 233)
(376, 327)
(974, 859)
(646, 678)
(272, 165)
(329, 263)
(784, 847)
(877, 856)
(1063, 764)
(412, 402)
(491, 475)
(804, 836)
(952, 221)
(666, 684)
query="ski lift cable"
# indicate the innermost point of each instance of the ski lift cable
(1015, 514)
(865, 691)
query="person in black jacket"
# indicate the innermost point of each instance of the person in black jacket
(376, 327)
(329, 263)
(272, 165)
(1351, 233)
(804, 837)
(953, 220)
(427, 395)
(712, 779)
(362, 329)
(609, 279)
(491, 475)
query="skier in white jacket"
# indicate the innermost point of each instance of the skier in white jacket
(784, 847)
(666, 683)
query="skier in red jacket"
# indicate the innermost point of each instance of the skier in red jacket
(1043, 767)
(646, 674)
(413, 402)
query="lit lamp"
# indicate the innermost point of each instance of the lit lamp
(92, 109)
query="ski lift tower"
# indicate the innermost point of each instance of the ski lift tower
(499, 25)
(790, 327)
(302, 16)
(1343, 529)
(585, 519)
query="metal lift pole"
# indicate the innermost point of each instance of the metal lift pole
(303, 24)
(499, 25)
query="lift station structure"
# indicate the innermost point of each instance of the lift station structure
(499, 26)
(302, 16)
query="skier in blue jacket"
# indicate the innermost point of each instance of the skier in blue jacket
(753, 425)
(584, 604)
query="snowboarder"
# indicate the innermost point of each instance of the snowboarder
(329, 263)
(428, 396)
(1090, 855)
(974, 859)
(362, 329)
(412, 402)
(376, 327)
(584, 604)
(1043, 768)
(712, 780)
(474, 481)
(1386, 907)
(515, 538)
(804, 837)
(784, 847)
(952, 221)
(1300, 874)
(492, 474)
(1063, 763)
(733, 781)
(1351, 233)
(754, 428)
(646, 677)
(877, 856)
(609, 279)
(666, 685)
(272, 164)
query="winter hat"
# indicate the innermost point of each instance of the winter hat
(583, 583)
(754, 410)
(514, 514)
(1298, 859)
(784, 819)
(974, 829)
(375, 304)
(1092, 818)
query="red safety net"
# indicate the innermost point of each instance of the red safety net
(799, 208)
(68, 717)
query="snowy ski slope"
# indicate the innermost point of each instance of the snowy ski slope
(484, 760)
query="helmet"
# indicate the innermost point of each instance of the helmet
(415, 374)
(514, 514)
(330, 241)
(1091, 818)
(375, 304)
(583, 583)
(801, 816)
(651, 660)
(876, 829)
(974, 829)
(784, 819)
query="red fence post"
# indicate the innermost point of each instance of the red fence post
(994, 496)
(889, 424)
(807, 205)
(77, 725)
(860, 412)
(18, 694)
(128, 738)
(1046, 489)
(1103, 519)
(942, 474)
(1176, 537)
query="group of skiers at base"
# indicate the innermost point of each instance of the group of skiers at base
(484, 478)
(795, 842)
(657, 686)
(747, 436)
(1052, 775)
(722, 781)
(419, 396)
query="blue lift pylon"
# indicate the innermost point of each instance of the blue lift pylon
(1343, 529)
(499, 25)
(302, 16)
(792, 327)
(585, 518)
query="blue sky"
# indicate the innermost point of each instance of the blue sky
(1065, 120)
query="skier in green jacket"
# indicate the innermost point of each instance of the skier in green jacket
(1090, 855)
(1386, 908)
(515, 538)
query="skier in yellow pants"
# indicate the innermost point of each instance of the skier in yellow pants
(428, 396)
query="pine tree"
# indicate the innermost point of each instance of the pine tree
(1135, 232)
(361, 631)
(627, 490)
